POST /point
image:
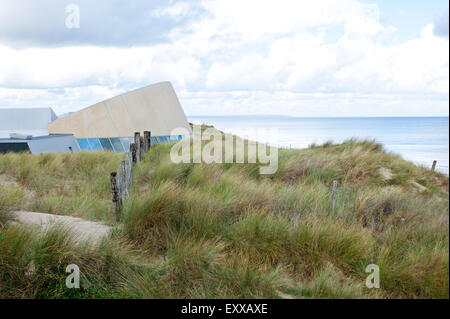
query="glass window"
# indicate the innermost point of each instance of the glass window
(106, 144)
(126, 141)
(84, 144)
(118, 148)
(95, 144)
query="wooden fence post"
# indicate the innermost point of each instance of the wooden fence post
(333, 196)
(141, 148)
(116, 200)
(433, 167)
(129, 160)
(137, 142)
(123, 180)
(128, 157)
(133, 153)
(147, 143)
(149, 140)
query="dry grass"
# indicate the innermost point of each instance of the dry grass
(223, 230)
(64, 184)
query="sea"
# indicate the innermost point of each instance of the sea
(418, 139)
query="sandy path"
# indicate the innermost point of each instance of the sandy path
(82, 229)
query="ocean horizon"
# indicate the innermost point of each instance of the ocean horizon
(418, 139)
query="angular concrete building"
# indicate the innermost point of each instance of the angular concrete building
(110, 124)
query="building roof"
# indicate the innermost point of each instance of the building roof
(34, 138)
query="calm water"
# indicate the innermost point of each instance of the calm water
(418, 139)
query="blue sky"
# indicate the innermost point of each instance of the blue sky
(409, 17)
(226, 57)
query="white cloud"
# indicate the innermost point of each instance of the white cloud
(304, 63)
(26, 23)
(248, 57)
(418, 65)
(87, 66)
(177, 10)
(254, 20)
(61, 100)
(312, 104)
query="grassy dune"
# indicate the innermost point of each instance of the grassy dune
(224, 230)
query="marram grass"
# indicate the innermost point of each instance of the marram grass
(224, 231)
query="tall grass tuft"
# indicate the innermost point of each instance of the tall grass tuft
(224, 231)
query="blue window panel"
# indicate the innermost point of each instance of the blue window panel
(95, 144)
(125, 143)
(118, 148)
(106, 144)
(84, 144)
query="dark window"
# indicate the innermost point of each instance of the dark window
(13, 147)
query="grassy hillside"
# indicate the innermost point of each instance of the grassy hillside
(223, 230)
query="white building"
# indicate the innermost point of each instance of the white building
(105, 126)
(25, 121)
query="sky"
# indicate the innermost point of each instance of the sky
(230, 57)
